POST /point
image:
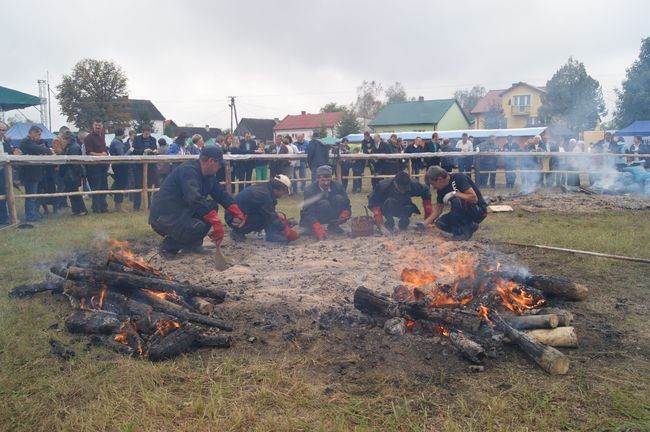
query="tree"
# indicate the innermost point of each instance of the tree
(494, 118)
(142, 118)
(467, 98)
(349, 124)
(573, 98)
(368, 103)
(95, 88)
(396, 93)
(332, 107)
(633, 100)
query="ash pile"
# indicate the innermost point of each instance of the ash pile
(134, 308)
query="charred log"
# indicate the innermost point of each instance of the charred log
(28, 290)
(213, 340)
(558, 286)
(173, 344)
(61, 350)
(109, 341)
(471, 350)
(548, 358)
(93, 322)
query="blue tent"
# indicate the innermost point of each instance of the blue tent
(19, 131)
(638, 128)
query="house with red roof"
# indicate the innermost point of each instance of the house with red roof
(518, 104)
(304, 123)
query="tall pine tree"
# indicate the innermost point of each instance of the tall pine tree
(633, 101)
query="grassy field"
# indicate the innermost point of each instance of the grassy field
(607, 388)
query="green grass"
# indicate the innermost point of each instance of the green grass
(607, 388)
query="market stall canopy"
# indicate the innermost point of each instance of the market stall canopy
(13, 99)
(638, 128)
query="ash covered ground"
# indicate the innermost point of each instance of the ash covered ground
(571, 202)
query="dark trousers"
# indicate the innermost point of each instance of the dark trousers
(188, 233)
(60, 202)
(573, 179)
(120, 181)
(31, 204)
(345, 172)
(511, 177)
(460, 218)
(247, 174)
(76, 201)
(4, 216)
(358, 170)
(97, 178)
(256, 222)
(400, 209)
(327, 211)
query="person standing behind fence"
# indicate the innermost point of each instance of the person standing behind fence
(318, 154)
(300, 171)
(120, 171)
(95, 144)
(248, 147)
(447, 162)
(144, 145)
(415, 147)
(510, 163)
(32, 145)
(72, 175)
(432, 146)
(5, 149)
(261, 166)
(57, 148)
(488, 164)
(465, 146)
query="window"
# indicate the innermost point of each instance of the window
(522, 100)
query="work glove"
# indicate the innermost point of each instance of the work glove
(217, 232)
(379, 219)
(239, 218)
(343, 217)
(448, 196)
(290, 234)
(428, 208)
(319, 231)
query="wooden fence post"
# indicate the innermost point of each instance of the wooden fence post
(11, 199)
(227, 169)
(145, 186)
(338, 170)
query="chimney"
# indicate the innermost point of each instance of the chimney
(420, 98)
(303, 112)
(207, 128)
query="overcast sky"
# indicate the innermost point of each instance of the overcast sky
(281, 57)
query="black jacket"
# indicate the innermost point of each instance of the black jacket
(431, 147)
(313, 194)
(258, 200)
(411, 149)
(184, 194)
(385, 189)
(33, 148)
(318, 154)
(71, 172)
(141, 143)
(384, 166)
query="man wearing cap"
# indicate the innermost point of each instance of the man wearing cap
(468, 208)
(181, 211)
(391, 198)
(258, 202)
(325, 203)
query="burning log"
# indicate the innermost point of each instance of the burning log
(558, 286)
(377, 305)
(132, 281)
(564, 337)
(93, 321)
(550, 359)
(527, 322)
(28, 290)
(162, 347)
(471, 350)
(565, 318)
(110, 342)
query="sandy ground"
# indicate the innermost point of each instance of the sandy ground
(572, 202)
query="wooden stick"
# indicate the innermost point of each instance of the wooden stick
(468, 348)
(558, 337)
(533, 322)
(145, 186)
(581, 252)
(11, 198)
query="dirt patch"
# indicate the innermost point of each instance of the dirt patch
(572, 202)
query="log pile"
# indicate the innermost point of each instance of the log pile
(135, 309)
(535, 329)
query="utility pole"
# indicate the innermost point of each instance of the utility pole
(49, 102)
(233, 113)
(42, 95)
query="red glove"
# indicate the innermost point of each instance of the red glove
(343, 217)
(428, 208)
(217, 233)
(236, 212)
(379, 219)
(290, 234)
(319, 231)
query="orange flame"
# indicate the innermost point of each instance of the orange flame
(410, 324)
(443, 331)
(129, 334)
(417, 278)
(164, 326)
(121, 253)
(515, 298)
(484, 313)
(96, 305)
(165, 295)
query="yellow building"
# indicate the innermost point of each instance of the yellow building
(517, 107)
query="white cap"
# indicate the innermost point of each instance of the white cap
(284, 180)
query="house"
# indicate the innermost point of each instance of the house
(519, 105)
(293, 125)
(261, 129)
(420, 115)
(206, 132)
(144, 111)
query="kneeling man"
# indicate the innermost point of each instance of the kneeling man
(391, 198)
(468, 208)
(181, 211)
(258, 203)
(325, 203)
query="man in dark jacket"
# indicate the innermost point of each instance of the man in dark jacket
(33, 145)
(181, 211)
(72, 175)
(488, 164)
(432, 146)
(6, 149)
(381, 166)
(318, 154)
(468, 208)
(258, 202)
(325, 203)
(511, 164)
(120, 171)
(391, 198)
(416, 147)
(143, 145)
(97, 174)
